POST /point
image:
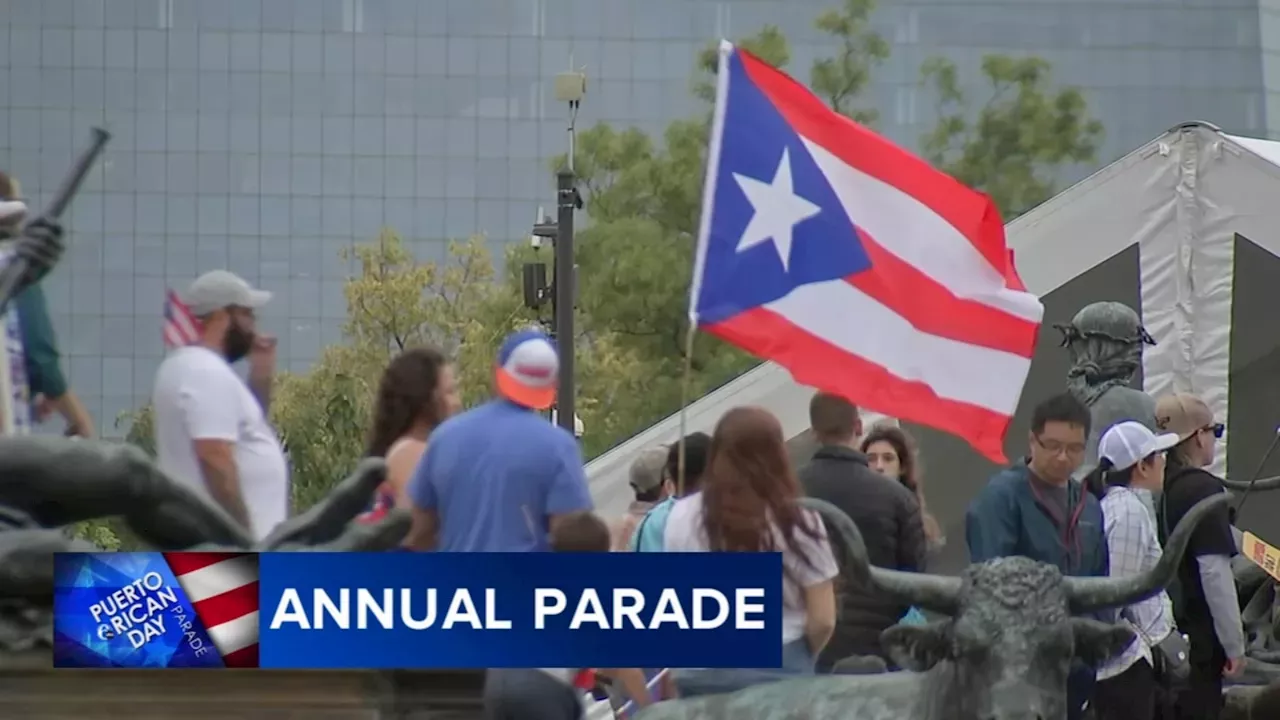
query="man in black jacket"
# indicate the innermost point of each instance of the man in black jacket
(887, 516)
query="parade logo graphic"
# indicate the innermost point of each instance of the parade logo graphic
(134, 610)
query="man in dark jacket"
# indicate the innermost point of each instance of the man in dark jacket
(887, 516)
(1034, 509)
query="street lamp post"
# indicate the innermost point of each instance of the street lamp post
(570, 87)
(563, 284)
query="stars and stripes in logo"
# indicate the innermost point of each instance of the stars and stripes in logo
(223, 590)
(181, 328)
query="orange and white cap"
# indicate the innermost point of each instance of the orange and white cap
(528, 369)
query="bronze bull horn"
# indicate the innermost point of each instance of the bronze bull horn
(938, 593)
(1087, 594)
(1259, 485)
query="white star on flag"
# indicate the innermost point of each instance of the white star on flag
(777, 209)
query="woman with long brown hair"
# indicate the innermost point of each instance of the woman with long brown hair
(416, 393)
(749, 503)
(892, 452)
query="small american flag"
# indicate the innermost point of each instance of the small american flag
(181, 328)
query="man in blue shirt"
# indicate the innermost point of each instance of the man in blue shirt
(496, 478)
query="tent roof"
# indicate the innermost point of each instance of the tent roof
(1077, 230)
(1104, 203)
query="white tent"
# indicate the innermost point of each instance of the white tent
(1169, 229)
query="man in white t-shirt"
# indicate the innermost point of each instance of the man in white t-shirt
(211, 428)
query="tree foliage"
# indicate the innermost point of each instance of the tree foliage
(1013, 144)
(840, 80)
(393, 303)
(460, 306)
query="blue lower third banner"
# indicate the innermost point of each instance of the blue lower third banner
(456, 610)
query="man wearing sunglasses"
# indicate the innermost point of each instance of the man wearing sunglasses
(1205, 605)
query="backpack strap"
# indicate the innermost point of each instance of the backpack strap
(638, 536)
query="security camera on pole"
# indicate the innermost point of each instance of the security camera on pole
(570, 88)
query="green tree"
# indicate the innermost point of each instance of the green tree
(141, 425)
(461, 306)
(840, 80)
(769, 45)
(643, 199)
(1014, 144)
(393, 303)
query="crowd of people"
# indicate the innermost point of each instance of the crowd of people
(740, 493)
(500, 477)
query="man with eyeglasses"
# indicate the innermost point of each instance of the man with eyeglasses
(1034, 509)
(1205, 604)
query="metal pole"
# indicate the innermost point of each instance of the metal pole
(566, 200)
(552, 327)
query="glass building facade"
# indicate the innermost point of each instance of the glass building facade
(264, 136)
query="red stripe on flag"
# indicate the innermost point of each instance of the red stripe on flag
(246, 657)
(972, 213)
(181, 328)
(1012, 279)
(933, 309)
(816, 363)
(182, 563)
(228, 606)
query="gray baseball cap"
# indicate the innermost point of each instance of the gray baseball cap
(219, 289)
(646, 470)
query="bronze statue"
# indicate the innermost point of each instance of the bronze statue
(1105, 341)
(1014, 626)
(48, 484)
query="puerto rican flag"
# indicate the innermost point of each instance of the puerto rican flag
(223, 590)
(829, 250)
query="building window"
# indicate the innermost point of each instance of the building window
(905, 106)
(164, 14)
(353, 16)
(908, 30)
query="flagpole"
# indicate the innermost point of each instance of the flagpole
(685, 384)
(700, 250)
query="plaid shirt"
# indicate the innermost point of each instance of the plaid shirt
(1131, 538)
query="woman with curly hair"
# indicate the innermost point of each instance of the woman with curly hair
(417, 392)
(892, 452)
(749, 503)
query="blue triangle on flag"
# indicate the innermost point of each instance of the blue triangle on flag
(753, 138)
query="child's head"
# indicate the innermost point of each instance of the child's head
(580, 532)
